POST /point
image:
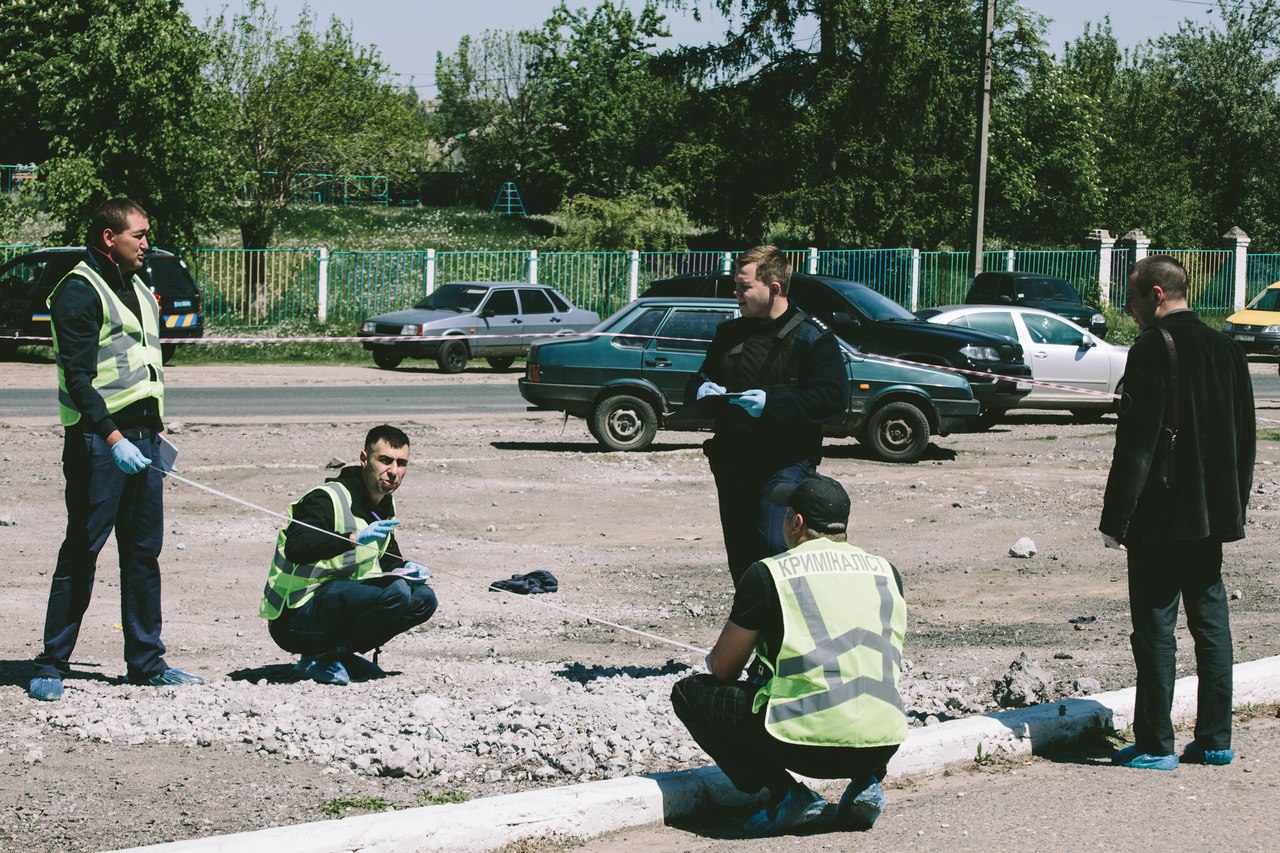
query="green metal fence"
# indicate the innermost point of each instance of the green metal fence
(257, 287)
(596, 281)
(251, 288)
(9, 252)
(1261, 271)
(366, 283)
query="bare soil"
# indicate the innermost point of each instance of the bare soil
(633, 539)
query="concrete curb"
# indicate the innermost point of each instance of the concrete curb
(594, 808)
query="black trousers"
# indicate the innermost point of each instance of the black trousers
(353, 616)
(1158, 575)
(750, 520)
(100, 498)
(718, 716)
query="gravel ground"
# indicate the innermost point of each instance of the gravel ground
(501, 693)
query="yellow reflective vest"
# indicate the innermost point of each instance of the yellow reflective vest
(292, 585)
(130, 364)
(834, 682)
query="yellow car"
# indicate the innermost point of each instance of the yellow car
(1257, 327)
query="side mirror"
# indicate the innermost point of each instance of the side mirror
(1087, 342)
(844, 318)
(488, 312)
(1004, 299)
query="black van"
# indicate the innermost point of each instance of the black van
(27, 280)
(877, 325)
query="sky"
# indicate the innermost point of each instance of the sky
(408, 33)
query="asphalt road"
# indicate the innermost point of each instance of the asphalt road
(369, 400)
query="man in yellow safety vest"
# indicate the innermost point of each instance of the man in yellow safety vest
(106, 339)
(826, 621)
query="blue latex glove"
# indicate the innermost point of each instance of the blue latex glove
(128, 457)
(709, 389)
(415, 573)
(379, 529)
(752, 401)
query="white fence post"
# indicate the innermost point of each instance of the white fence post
(1241, 242)
(1141, 242)
(813, 261)
(431, 272)
(1105, 244)
(633, 275)
(726, 263)
(1008, 261)
(322, 286)
(533, 266)
(915, 280)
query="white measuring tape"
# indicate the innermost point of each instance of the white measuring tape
(434, 570)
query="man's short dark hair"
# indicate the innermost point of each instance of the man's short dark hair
(114, 214)
(771, 265)
(1162, 270)
(395, 438)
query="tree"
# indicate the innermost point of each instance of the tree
(305, 104)
(490, 108)
(127, 112)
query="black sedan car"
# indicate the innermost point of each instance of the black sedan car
(627, 378)
(27, 280)
(877, 325)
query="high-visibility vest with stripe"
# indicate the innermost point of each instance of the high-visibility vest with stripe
(292, 585)
(130, 364)
(834, 682)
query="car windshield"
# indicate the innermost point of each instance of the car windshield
(875, 305)
(1045, 288)
(1268, 300)
(463, 298)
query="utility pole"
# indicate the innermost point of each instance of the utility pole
(984, 123)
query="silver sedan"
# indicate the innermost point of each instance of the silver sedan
(1058, 351)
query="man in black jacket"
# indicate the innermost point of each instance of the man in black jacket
(338, 585)
(784, 375)
(1173, 507)
(106, 338)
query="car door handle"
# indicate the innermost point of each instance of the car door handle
(1040, 354)
(658, 362)
(556, 320)
(516, 321)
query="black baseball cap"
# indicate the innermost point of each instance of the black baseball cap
(821, 500)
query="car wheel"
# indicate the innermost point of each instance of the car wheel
(452, 357)
(897, 432)
(501, 362)
(623, 422)
(166, 352)
(387, 358)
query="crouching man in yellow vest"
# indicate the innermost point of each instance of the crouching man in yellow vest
(338, 585)
(826, 620)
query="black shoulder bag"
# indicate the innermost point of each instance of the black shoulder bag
(1162, 459)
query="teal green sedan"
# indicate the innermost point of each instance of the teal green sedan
(627, 378)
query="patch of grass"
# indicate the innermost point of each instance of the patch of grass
(1252, 711)
(983, 758)
(1269, 435)
(340, 806)
(1047, 438)
(286, 352)
(445, 796)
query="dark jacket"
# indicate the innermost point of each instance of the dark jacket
(76, 314)
(1212, 470)
(801, 370)
(304, 545)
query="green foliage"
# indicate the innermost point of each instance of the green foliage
(444, 796)
(128, 112)
(586, 223)
(983, 758)
(307, 102)
(340, 806)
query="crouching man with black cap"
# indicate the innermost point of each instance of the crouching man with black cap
(826, 621)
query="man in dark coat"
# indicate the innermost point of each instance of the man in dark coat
(1173, 518)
